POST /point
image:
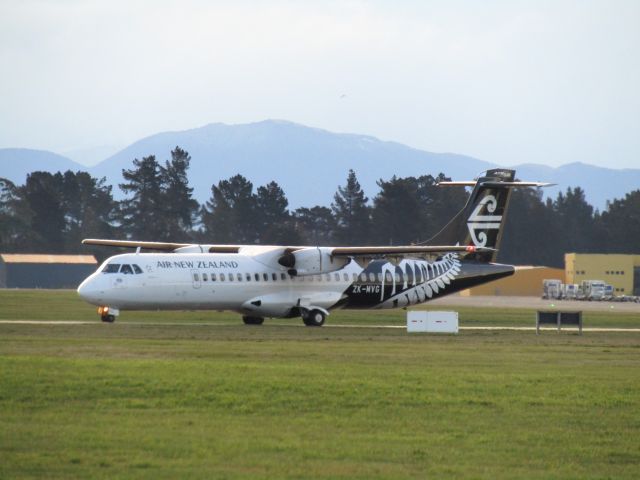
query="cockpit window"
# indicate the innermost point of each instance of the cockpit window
(126, 269)
(111, 268)
(122, 268)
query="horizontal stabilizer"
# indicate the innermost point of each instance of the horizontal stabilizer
(472, 183)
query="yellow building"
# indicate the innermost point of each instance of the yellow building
(621, 271)
(526, 281)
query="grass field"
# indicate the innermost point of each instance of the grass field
(224, 400)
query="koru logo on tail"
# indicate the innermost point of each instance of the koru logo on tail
(477, 223)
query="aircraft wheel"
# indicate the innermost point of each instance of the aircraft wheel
(315, 318)
(108, 318)
(252, 320)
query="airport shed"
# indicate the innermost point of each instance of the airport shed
(19, 270)
(526, 281)
(622, 271)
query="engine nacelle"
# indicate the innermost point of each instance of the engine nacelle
(311, 261)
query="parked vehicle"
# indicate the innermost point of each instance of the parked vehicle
(609, 293)
(570, 291)
(551, 289)
(593, 289)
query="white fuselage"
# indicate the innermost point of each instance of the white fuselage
(258, 286)
(192, 281)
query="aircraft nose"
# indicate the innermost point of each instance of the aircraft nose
(87, 290)
(83, 288)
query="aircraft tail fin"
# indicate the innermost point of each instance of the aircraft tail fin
(480, 223)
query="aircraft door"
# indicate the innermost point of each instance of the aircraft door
(195, 279)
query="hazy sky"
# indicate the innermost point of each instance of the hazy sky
(509, 82)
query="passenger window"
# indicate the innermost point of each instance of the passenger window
(328, 277)
(222, 277)
(397, 277)
(283, 276)
(239, 277)
(274, 277)
(388, 277)
(257, 277)
(196, 277)
(336, 276)
(265, 276)
(126, 269)
(248, 277)
(231, 277)
(363, 277)
(111, 268)
(136, 269)
(213, 277)
(205, 277)
(345, 276)
(355, 277)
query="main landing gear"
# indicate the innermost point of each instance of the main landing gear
(252, 320)
(313, 318)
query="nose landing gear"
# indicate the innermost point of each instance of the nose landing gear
(252, 320)
(108, 314)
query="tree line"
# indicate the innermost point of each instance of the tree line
(53, 212)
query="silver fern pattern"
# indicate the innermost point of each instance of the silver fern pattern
(425, 280)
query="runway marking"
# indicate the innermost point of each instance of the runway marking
(191, 324)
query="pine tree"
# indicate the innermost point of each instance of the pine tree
(89, 208)
(275, 223)
(41, 207)
(141, 216)
(14, 221)
(438, 204)
(575, 216)
(229, 216)
(179, 207)
(352, 213)
(315, 226)
(532, 231)
(397, 213)
(620, 225)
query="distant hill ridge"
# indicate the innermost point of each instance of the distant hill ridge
(310, 163)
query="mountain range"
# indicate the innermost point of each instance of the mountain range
(309, 163)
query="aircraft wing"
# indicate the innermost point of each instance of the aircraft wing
(356, 252)
(135, 244)
(164, 246)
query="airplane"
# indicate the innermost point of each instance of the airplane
(268, 281)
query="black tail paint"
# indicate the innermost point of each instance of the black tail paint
(481, 220)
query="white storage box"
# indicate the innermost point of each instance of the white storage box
(432, 322)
